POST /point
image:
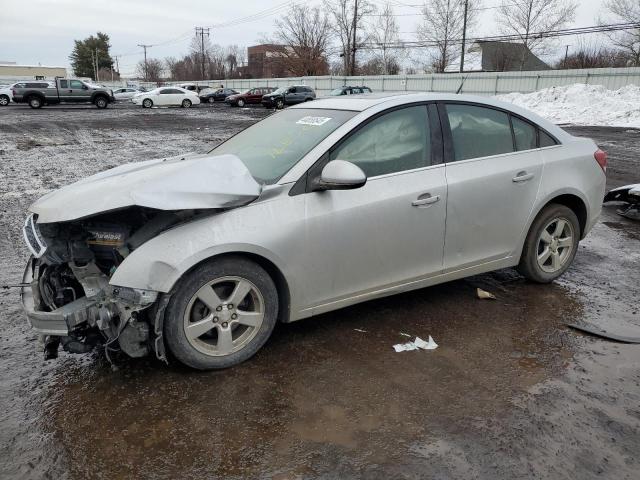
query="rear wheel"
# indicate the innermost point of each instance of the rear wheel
(4, 100)
(551, 244)
(240, 102)
(221, 314)
(101, 102)
(186, 103)
(35, 102)
(147, 103)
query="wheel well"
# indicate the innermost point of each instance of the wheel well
(284, 297)
(576, 204)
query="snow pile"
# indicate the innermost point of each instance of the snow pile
(581, 104)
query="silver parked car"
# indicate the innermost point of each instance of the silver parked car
(317, 207)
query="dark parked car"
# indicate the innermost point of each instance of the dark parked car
(346, 90)
(210, 95)
(251, 96)
(288, 96)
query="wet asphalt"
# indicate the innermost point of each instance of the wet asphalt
(511, 392)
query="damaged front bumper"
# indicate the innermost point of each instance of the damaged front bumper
(110, 309)
(58, 322)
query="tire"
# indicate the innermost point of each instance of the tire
(35, 102)
(551, 244)
(211, 100)
(240, 103)
(101, 102)
(186, 103)
(4, 100)
(147, 103)
(279, 104)
(204, 348)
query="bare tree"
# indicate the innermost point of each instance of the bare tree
(527, 17)
(384, 36)
(304, 35)
(593, 55)
(153, 70)
(442, 27)
(626, 11)
(348, 19)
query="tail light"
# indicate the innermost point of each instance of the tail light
(601, 158)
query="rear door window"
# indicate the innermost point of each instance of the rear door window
(64, 84)
(479, 131)
(546, 140)
(525, 134)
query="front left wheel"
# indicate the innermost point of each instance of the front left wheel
(221, 314)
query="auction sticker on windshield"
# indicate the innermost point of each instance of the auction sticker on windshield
(313, 120)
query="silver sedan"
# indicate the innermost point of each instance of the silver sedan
(317, 207)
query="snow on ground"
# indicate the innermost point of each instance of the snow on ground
(581, 104)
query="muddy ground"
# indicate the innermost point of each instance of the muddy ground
(510, 392)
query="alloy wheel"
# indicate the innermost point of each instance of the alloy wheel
(224, 315)
(555, 245)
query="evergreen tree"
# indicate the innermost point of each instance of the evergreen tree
(84, 52)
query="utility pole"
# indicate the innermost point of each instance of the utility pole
(353, 46)
(202, 32)
(566, 55)
(145, 59)
(464, 35)
(97, 65)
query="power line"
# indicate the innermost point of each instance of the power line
(511, 37)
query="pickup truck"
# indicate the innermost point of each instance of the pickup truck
(63, 90)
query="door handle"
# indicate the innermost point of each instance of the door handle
(522, 177)
(425, 199)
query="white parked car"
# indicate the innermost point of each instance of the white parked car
(5, 95)
(125, 93)
(165, 96)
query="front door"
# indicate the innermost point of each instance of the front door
(78, 91)
(391, 230)
(493, 182)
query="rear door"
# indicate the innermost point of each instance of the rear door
(255, 96)
(64, 92)
(493, 176)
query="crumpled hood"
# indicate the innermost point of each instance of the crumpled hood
(179, 183)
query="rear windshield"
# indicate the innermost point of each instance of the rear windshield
(271, 147)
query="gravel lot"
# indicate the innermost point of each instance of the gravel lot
(510, 393)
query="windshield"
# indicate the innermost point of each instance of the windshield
(335, 92)
(280, 90)
(271, 147)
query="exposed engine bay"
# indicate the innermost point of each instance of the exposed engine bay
(71, 301)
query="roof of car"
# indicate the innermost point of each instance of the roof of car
(364, 101)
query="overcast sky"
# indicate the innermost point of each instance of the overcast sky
(46, 36)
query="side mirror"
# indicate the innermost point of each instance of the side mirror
(340, 175)
(84, 87)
